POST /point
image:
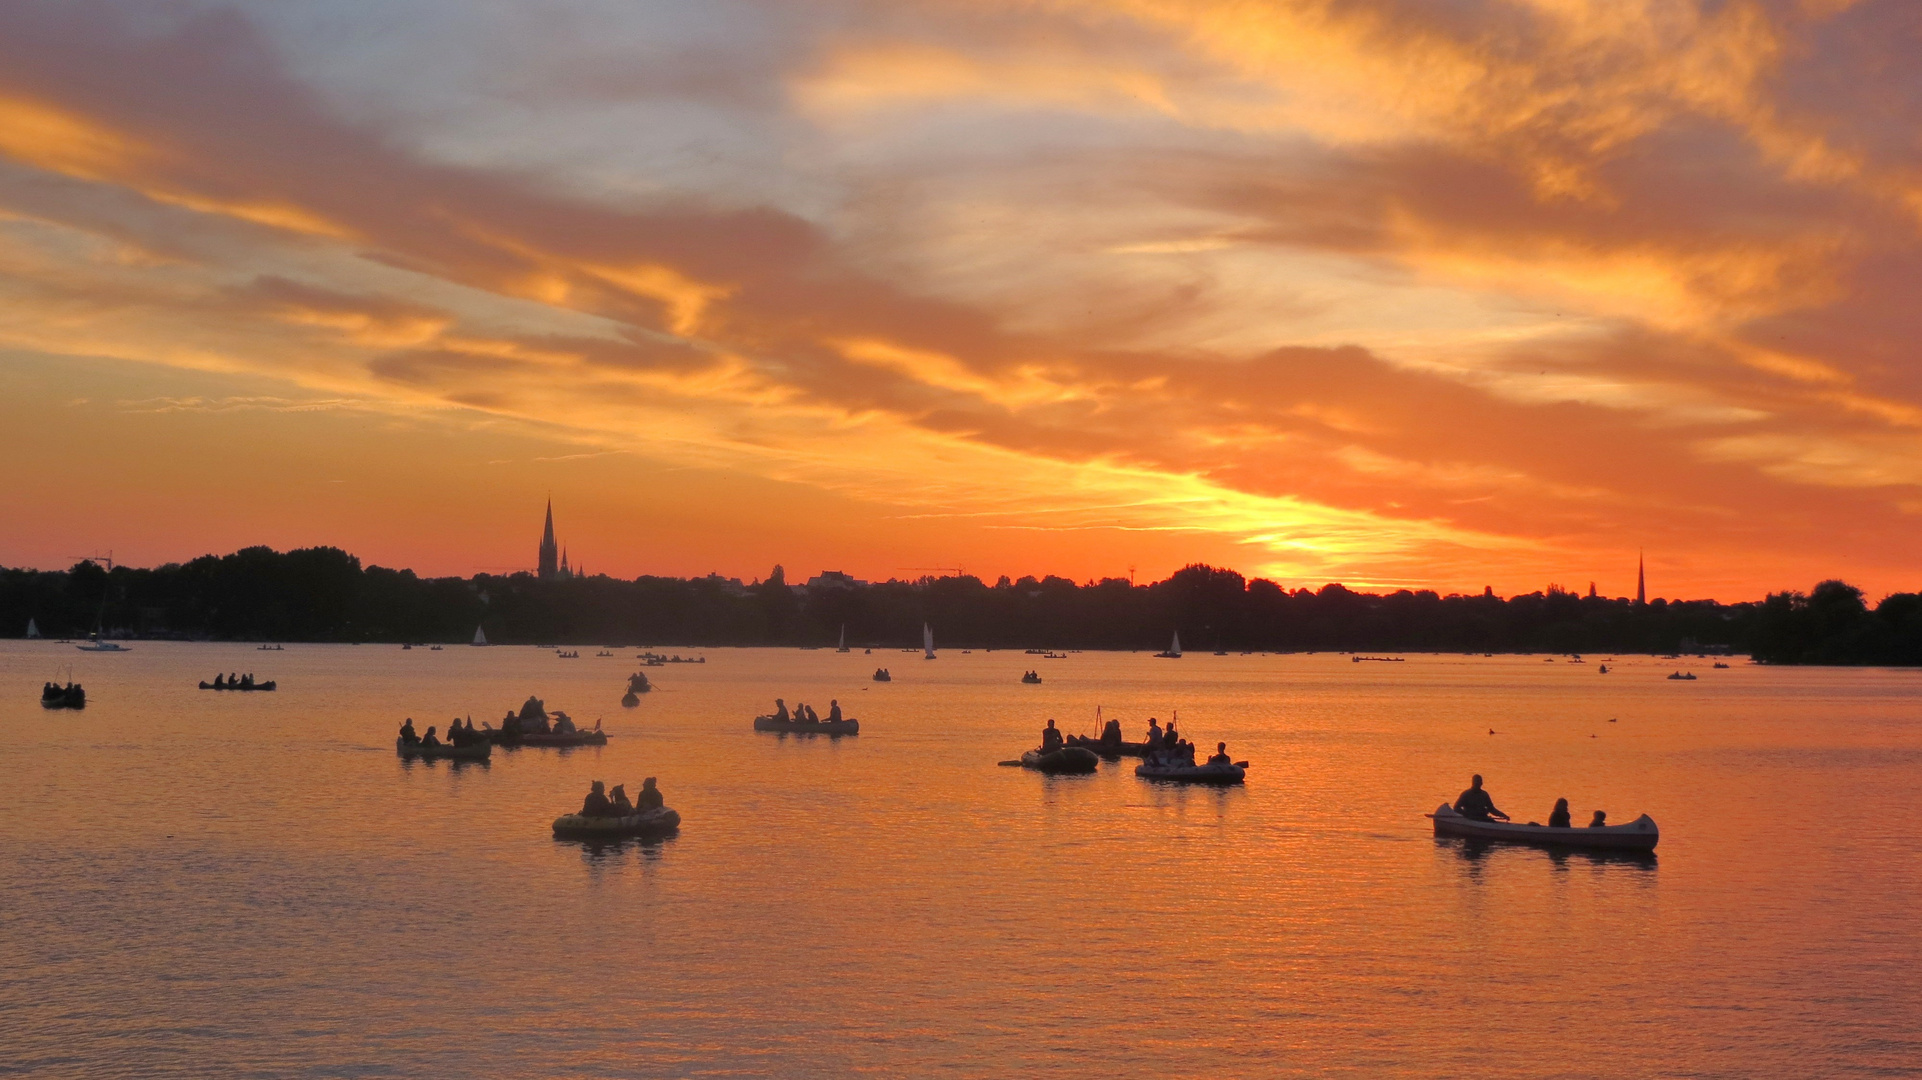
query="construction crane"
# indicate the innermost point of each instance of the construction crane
(106, 560)
(951, 571)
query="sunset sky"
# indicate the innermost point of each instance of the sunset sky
(1386, 292)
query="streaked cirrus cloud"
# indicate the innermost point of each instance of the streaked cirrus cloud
(1384, 292)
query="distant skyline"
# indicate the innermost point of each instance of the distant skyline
(1386, 293)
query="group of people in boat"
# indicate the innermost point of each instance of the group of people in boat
(1031, 676)
(1475, 803)
(1165, 746)
(458, 734)
(533, 719)
(602, 803)
(805, 714)
(234, 682)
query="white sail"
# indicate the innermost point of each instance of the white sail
(1175, 649)
(479, 638)
(843, 646)
(927, 641)
(33, 630)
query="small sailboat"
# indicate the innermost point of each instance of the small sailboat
(33, 629)
(479, 638)
(1174, 649)
(927, 642)
(843, 646)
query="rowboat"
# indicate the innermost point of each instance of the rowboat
(656, 822)
(1216, 773)
(243, 687)
(1109, 749)
(849, 726)
(1638, 835)
(474, 751)
(1068, 759)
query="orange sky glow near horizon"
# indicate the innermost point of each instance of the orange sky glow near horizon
(1386, 292)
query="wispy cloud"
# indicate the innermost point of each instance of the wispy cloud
(1375, 289)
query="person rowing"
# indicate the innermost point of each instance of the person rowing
(780, 711)
(834, 712)
(1221, 755)
(1475, 803)
(1154, 733)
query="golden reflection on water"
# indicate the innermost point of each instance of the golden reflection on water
(226, 884)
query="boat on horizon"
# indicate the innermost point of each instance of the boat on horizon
(479, 638)
(843, 646)
(1174, 649)
(927, 642)
(33, 629)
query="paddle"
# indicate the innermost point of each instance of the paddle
(1015, 764)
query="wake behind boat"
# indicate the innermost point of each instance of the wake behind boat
(1638, 835)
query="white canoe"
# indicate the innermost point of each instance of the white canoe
(1638, 835)
(645, 823)
(1218, 773)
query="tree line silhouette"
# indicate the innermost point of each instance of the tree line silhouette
(325, 594)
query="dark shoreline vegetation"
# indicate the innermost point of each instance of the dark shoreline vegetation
(325, 595)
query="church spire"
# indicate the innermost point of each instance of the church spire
(549, 567)
(1641, 579)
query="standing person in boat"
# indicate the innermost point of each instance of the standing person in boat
(407, 734)
(1475, 803)
(1170, 737)
(596, 804)
(1050, 738)
(1558, 817)
(650, 796)
(1154, 734)
(1221, 755)
(1600, 821)
(780, 711)
(834, 712)
(429, 739)
(618, 799)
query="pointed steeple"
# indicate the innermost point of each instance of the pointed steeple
(1641, 579)
(548, 567)
(565, 572)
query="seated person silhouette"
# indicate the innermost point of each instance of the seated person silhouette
(1475, 803)
(1558, 817)
(1050, 738)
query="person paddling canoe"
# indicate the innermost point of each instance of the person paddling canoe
(1475, 803)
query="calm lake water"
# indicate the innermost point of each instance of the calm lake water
(201, 884)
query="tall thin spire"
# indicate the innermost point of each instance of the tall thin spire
(550, 564)
(1641, 579)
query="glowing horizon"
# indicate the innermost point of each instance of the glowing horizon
(1380, 293)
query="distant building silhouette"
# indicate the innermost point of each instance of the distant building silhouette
(1641, 579)
(553, 565)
